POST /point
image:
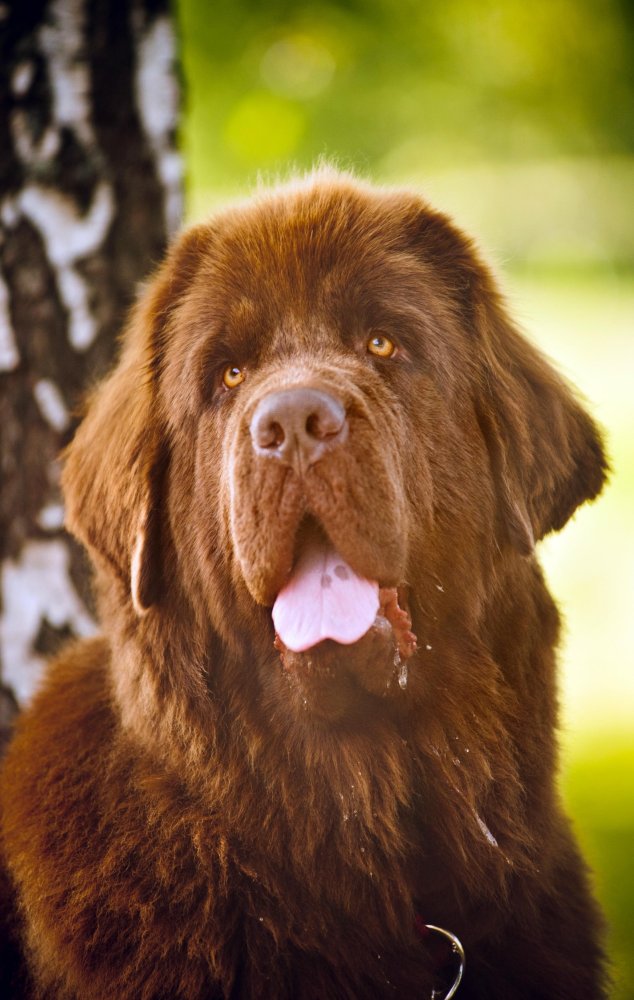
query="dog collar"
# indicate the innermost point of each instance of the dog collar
(446, 946)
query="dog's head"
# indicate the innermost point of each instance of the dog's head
(322, 422)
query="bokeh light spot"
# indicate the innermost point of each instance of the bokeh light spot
(263, 128)
(297, 66)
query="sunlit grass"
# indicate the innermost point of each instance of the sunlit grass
(598, 790)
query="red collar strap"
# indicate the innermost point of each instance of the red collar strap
(444, 947)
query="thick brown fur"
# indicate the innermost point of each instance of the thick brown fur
(185, 817)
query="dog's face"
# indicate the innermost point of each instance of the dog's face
(322, 424)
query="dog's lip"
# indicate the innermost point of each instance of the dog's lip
(311, 528)
(395, 608)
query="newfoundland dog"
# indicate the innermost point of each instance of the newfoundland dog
(313, 754)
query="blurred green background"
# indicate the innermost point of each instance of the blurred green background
(518, 119)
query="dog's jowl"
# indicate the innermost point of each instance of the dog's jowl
(321, 716)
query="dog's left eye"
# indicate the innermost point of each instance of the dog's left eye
(232, 376)
(381, 347)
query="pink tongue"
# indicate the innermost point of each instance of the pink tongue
(324, 599)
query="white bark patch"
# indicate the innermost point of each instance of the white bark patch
(30, 151)
(62, 42)
(51, 404)
(35, 587)
(69, 236)
(9, 355)
(51, 517)
(82, 328)
(157, 97)
(22, 77)
(9, 213)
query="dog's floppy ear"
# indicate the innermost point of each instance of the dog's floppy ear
(546, 452)
(115, 465)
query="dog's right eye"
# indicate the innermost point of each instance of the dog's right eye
(232, 376)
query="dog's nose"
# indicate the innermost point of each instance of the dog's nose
(298, 426)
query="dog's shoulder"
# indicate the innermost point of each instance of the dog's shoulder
(73, 704)
(51, 759)
(58, 750)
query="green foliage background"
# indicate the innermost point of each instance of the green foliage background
(518, 119)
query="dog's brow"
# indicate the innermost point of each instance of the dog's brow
(406, 322)
(243, 312)
(236, 343)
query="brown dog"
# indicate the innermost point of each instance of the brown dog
(322, 714)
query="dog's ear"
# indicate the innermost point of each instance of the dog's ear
(546, 452)
(115, 466)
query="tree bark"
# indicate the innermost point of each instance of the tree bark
(90, 190)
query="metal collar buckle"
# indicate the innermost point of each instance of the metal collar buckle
(457, 949)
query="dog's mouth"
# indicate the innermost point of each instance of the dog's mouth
(330, 620)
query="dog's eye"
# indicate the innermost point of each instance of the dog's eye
(232, 376)
(382, 347)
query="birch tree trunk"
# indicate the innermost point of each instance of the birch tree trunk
(90, 190)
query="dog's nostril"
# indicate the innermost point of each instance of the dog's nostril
(269, 435)
(312, 425)
(278, 435)
(320, 427)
